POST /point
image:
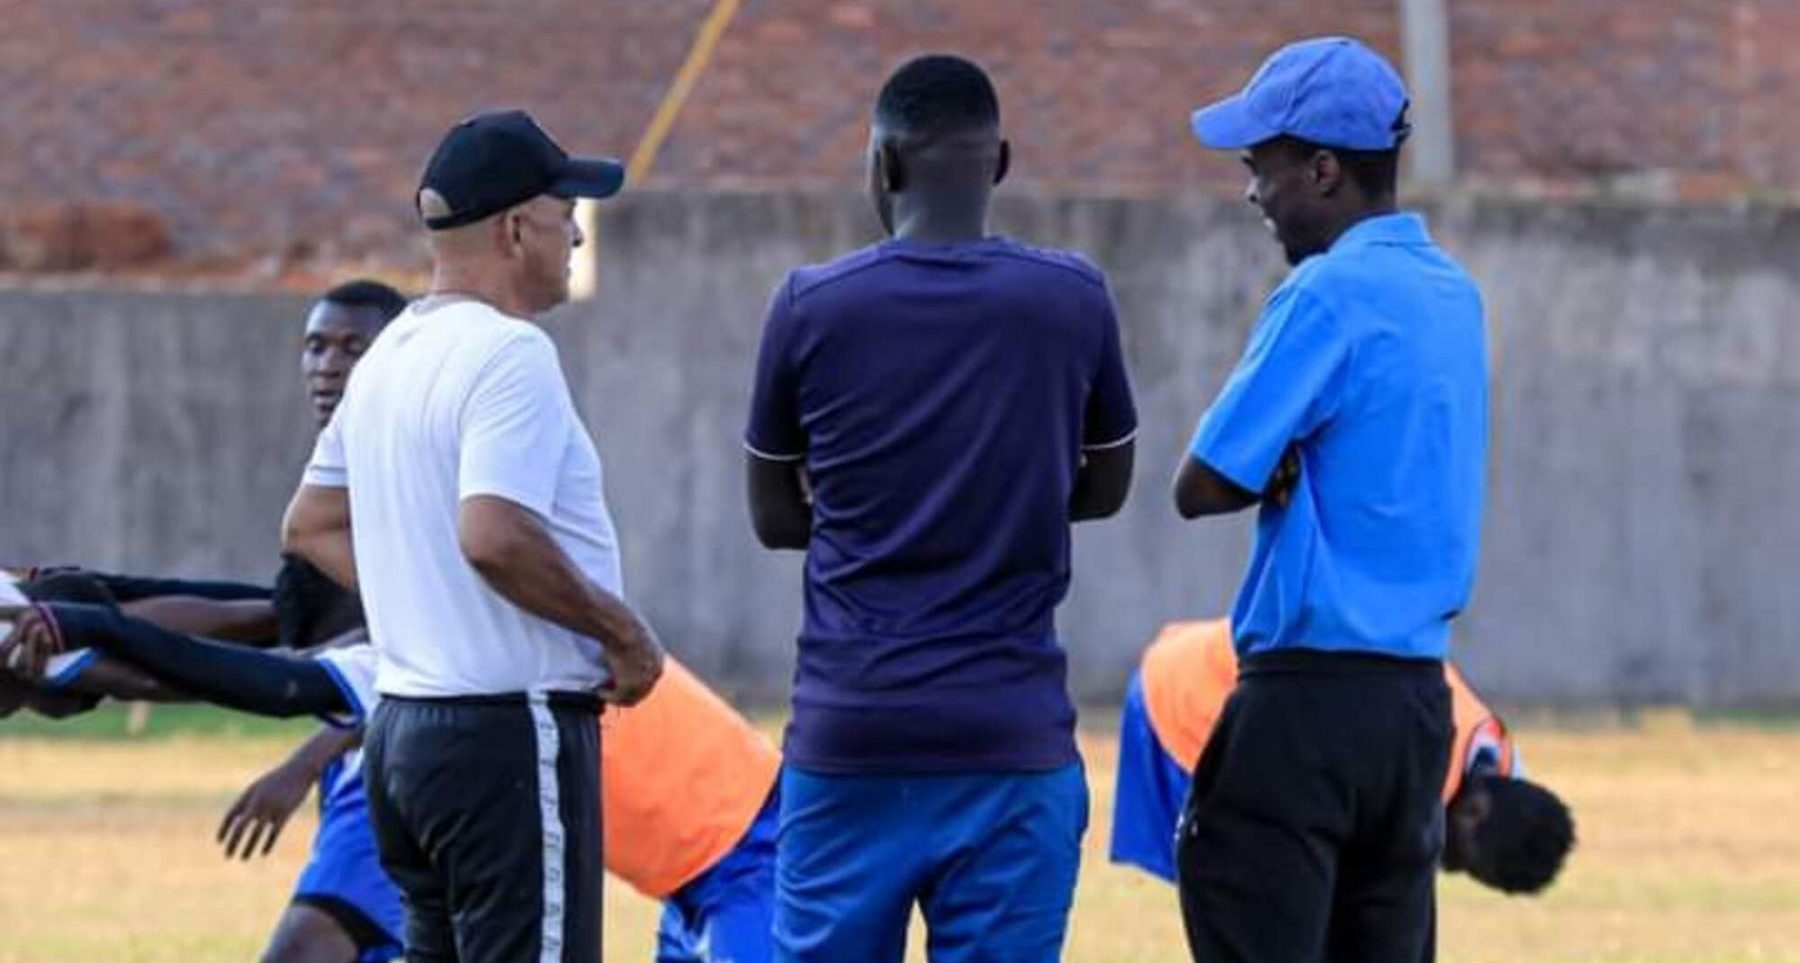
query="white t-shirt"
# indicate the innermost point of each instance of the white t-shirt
(456, 399)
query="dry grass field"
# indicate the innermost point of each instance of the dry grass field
(1689, 853)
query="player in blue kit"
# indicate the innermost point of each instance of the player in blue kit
(344, 909)
(689, 795)
(1502, 829)
(342, 885)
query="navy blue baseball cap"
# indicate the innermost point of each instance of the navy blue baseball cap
(1330, 91)
(499, 159)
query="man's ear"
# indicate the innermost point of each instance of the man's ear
(1002, 168)
(1327, 172)
(891, 169)
(512, 231)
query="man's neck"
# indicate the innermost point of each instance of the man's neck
(945, 223)
(448, 282)
(1356, 216)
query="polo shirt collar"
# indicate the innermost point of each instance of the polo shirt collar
(1402, 228)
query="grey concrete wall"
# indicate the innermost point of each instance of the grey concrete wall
(1639, 526)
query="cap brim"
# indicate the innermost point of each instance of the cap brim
(594, 177)
(1229, 125)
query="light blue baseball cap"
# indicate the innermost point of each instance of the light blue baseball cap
(1331, 91)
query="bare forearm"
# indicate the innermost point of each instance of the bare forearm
(1200, 491)
(787, 527)
(512, 550)
(318, 751)
(1102, 484)
(537, 576)
(780, 505)
(250, 621)
(133, 588)
(518, 558)
(116, 679)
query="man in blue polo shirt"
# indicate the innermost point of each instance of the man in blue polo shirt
(929, 415)
(1357, 418)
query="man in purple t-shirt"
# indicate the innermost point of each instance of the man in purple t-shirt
(929, 416)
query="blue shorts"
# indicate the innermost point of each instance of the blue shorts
(724, 915)
(344, 878)
(1149, 794)
(989, 858)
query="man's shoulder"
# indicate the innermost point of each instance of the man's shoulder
(1321, 276)
(455, 348)
(1054, 265)
(483, 340)
(1330, 286)
(483, 326)
(1375, 270)
(1311, 289)
(1045, 266)
(461, 326)
(814, 278)
(460, 336)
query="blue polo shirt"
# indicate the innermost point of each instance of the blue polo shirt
(1371, 360)
(940, 398)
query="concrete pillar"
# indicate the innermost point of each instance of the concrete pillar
(1425, 41)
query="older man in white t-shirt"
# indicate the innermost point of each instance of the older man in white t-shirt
(457, 489)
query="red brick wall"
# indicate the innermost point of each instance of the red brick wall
(299, 125)
(1572, 89)
(266, 124)
(1095, 95)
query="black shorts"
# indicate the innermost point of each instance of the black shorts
(487, 813)
(1314, 821)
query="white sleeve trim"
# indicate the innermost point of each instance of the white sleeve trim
(319, 477)
(507, 493)
(1130, 437)
(766, 456)
(352, 670)
(357, 714)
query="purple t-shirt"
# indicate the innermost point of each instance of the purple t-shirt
(940, 398)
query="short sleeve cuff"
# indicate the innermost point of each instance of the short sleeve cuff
(538, 503)
(352, 670)
(1213, 451)
(324, 477)
(357, 713)
(773, 452)
(1118, 441)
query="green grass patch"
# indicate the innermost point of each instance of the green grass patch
(114, 722)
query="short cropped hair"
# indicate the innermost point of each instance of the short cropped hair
(935, 95)
(1521, 844)
(368, 293)
(1376, 172)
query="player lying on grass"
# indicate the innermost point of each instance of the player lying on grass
(688, 785)
(1503, 830)
(335, 913)
(76, 682)
(302, 609)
